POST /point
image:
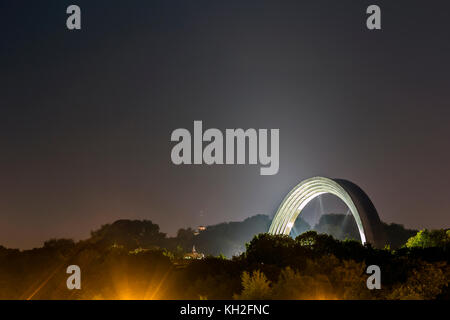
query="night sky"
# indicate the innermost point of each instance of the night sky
(86, 116)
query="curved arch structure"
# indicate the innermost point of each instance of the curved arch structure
(363, 210)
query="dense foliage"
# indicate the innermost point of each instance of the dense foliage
(134, 260)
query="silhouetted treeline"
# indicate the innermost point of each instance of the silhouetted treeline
(311, 266)
(135, 260)
(225, 238)
(230, 238)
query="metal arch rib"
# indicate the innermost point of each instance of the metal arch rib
(362, 209)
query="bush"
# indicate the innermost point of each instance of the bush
(255, 287)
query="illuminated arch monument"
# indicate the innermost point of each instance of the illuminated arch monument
(364, 212)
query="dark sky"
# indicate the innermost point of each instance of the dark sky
(86, 116)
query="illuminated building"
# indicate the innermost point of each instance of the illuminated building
(194, 254)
